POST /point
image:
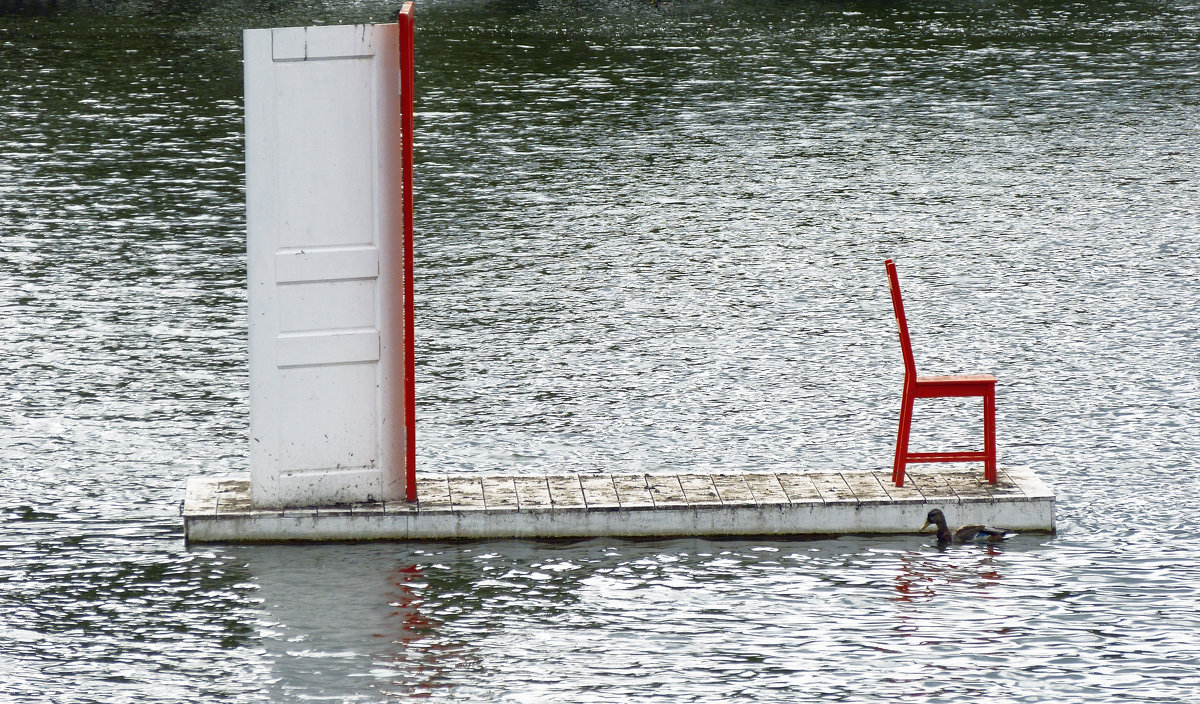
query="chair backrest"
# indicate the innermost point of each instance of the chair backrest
(910, 365)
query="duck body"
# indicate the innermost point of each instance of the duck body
(966, 534)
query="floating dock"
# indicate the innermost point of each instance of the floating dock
(478, 507)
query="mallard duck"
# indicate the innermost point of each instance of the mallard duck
(966, 534)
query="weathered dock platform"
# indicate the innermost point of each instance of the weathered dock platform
(471, 507)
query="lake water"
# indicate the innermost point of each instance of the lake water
(649, 239)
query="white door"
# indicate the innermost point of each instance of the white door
(324, 228)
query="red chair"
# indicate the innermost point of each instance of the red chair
(916, 387)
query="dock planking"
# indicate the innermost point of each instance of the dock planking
(667, 491)
(533, 494)
(866, 488)
(599, 492)
(632, 491)
(699, 490)
(566, 492)
(451, 507)
(733, 490)
(766, 489)
(799, 488)
(466, 493)
(434, 491)
(833, 489)
(499, 493)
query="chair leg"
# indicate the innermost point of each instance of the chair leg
(898, 465)
(989, 436)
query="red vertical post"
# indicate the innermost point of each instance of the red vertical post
(405, 23)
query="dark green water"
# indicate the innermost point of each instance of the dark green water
(649, 239)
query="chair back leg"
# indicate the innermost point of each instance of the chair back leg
(906, 412)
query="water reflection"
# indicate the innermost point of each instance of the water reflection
(349, 614)
(437, 613)
(406, 600)
(416, 668)
(923, 575)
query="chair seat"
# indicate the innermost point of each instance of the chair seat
(956, 385)
(956, 379)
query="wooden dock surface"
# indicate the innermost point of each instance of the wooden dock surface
(460, 506)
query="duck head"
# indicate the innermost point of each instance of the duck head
(935, 518)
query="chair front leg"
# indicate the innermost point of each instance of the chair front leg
(989, 435)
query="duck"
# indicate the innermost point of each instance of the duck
(966, 534)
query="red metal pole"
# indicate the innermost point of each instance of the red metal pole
(405, 22)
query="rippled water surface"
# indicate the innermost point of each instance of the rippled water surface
(649, 239)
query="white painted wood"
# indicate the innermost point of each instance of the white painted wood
(324, 228)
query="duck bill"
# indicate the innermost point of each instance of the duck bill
(926, 525)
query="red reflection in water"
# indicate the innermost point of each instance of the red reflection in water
(421, 661)
(922, 574)
(406, 622)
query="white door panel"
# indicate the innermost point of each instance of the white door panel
(324, 243)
